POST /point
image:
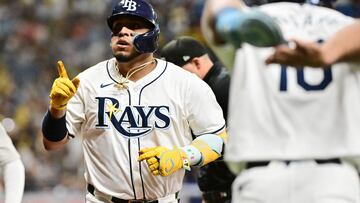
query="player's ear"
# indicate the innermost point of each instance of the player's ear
(196, 62)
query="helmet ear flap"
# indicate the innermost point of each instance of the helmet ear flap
(147, 42)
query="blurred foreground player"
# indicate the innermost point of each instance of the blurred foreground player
(293, 132)
(12, 169)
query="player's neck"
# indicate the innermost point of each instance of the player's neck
(137, 69)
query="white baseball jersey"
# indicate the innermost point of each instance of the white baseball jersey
(278, 112)
(163, 108)
(7, 150)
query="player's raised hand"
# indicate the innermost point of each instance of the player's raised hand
(301, 54)
(63, 88)
(163, 161)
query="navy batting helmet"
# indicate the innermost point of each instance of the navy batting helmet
(144, 43)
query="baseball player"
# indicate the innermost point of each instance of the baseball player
(12, 168)
(214, 179)
(136, 115)
(293, 132)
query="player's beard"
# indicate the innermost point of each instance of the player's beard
(126, 58)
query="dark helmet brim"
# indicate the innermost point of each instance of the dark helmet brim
(113, 18)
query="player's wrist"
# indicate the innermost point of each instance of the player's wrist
(327, 59)
(185, 160)
(193, 155)
(56, 112)
(56, 106)
(53, 128)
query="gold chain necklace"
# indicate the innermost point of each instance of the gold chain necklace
(123, 83)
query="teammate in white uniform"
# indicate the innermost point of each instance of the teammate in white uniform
(131, 105)
(292, 130)
(12, 169)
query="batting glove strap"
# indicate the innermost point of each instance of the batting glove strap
(58, 106)
(193, 154)
(185, 160)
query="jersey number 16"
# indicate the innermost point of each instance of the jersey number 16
(301, 79)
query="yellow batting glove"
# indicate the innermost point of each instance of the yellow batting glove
(63, 88)
(173, 160)
(163, 161)
(152, 156)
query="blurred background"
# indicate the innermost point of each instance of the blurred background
(34, 34)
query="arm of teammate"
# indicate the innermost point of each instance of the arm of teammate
(13, 172)
(55, 134)
(210, 16)
(203, 150)
(14, 180)
(343, 46)
(234, 23)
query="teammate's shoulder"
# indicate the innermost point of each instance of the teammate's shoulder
(305, 20)
(327, 20)
(299, 11)
(280, 8)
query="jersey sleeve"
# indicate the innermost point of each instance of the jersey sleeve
(204, 112)
(7, 149)
(75, 114)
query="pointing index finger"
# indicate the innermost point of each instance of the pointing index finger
(62, 70)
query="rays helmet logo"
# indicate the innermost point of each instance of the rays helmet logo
(130, 5)
(131, 121)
